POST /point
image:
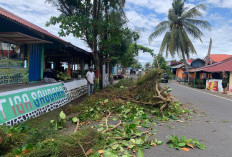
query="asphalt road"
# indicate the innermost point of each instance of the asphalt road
(211, 125)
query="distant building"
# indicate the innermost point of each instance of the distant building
(215, 58)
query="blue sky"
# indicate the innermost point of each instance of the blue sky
(143, 15)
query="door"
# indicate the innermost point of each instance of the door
(35, 62)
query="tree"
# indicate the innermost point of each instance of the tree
(181, 24)
(161, 63)
(128, 58)
(92, 21)
(147, 65)
(136, 65)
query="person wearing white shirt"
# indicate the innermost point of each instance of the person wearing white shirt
(90, 80)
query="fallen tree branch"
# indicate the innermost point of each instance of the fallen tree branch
(77, 127)
(110, 129)
(107, 127)
(124, 138)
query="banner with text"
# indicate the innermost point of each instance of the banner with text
(20, 102)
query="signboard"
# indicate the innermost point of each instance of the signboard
(18, 103)
(11, 63)
(13, 76)
(214, 85)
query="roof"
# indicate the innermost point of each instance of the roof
(219, 57)
(17, 37)
(15, 18)
(197, 59)
(178, 66)
(174, 63)
(225, 65)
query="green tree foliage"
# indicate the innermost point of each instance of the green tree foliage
(147, 65)
(98, 22)
(127, 59)
(182, 22)
(121, 53)
(136, 65)
(159, 59)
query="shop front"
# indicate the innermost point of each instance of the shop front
(28, 53)
(230, 83)
(12, 66)
(215, 71)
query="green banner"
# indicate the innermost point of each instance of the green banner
(13, 76)
(11, 63)
(17, 103)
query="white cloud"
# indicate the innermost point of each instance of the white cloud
(143, 14)
(221, 3)
(159, 6)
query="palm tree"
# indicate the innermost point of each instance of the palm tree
(181, 24)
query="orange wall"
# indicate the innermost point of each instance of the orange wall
(179, 73)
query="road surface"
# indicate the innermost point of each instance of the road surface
(211, 124)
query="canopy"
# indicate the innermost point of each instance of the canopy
(20, 38)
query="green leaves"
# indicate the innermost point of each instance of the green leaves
(74, 119)
(178, 143)
(140, 153)
(62, 115)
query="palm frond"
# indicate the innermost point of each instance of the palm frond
(193, 31)
(174, 39)
(201, 23)
(182, 42)
(189, 44)
(172, 16)
(160, 28)
(194, 12)
(165, 42)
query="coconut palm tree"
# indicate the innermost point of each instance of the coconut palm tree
(181, 24)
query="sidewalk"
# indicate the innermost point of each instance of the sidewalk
(228, 96)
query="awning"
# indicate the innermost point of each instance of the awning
(20, 38)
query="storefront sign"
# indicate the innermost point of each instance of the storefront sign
(13, 76)
(18, 103)
(214, 85)
(11, 63)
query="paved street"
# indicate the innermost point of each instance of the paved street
(211, 124)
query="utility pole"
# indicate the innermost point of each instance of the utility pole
(209, 52)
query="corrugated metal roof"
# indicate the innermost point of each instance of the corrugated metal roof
(219, 57)
(20, 38)
(26, 23)
(225, 65)
(178, 66)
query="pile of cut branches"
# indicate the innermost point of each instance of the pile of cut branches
(147, 91)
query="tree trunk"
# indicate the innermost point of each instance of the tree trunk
(185, 64)
(97, 68)
(209, 52)
(110, 73)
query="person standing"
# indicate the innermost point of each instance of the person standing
(90, 76)
(225, 81)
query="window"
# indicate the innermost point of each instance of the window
(11, 51)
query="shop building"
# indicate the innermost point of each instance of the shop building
(28, 52)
